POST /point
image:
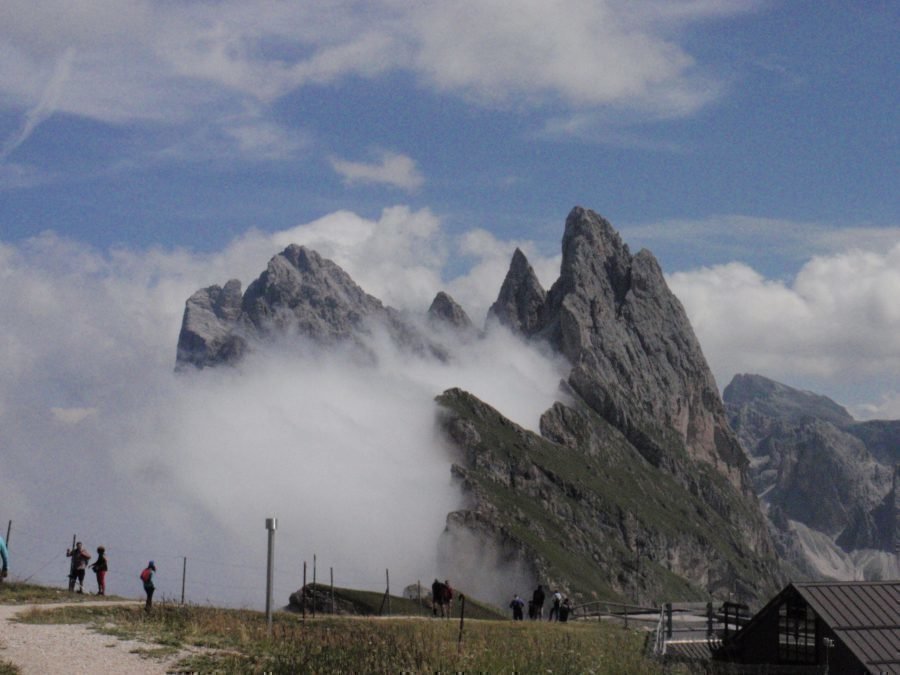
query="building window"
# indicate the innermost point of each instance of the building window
(796, 632)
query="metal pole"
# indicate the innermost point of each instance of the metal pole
(271, 524)
(183, 575)
(8, 530)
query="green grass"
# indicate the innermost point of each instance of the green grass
(7, 668)
(238, 641)
(16, 593)
(369, 603)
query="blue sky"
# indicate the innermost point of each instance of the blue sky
(150, 148)
(714, 132)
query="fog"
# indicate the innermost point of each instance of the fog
(102, 439)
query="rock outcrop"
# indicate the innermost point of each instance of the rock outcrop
(445, 311)
(300, 294)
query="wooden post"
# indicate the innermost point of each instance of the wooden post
(331, 570)
(314, 586)
(709, 619)
(419, 593)
(71, 568)
(387, 592)
(462, 618)
(668, 619)
(303, 593)
(183, 576)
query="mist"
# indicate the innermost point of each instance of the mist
(103, 440)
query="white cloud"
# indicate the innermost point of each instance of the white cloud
(837, 322)
(144, 60)
(393, 169)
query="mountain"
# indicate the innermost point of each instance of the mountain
(829, 483)
(635, 488)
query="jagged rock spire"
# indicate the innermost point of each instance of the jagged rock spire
(445, 310)
(520, 304)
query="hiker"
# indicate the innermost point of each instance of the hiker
(538, 599)
(4, 558)
(437, 595)
(554, 610)
(516, 605)
(100, 568)
(531, 610)
(564, 611)
(80, 557)
(147, 577)
(448, 598)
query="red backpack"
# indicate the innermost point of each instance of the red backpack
(145, 575)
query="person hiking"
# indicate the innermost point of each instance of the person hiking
(4, 559)
(80, 557)
(147, 578)
(564, 610)
(554, 609)
(537, 599)
(447, 598)
(437, 596)
(517, 605)
(100, 567)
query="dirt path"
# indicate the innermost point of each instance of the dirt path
(70, 648)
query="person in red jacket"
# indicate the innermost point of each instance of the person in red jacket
(100, 567)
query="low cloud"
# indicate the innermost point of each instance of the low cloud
(837, 322)
(157, 465)
(392, 169)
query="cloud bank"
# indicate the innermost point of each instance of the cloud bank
(102, 439)
(836, 323)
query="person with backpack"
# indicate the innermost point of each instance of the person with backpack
(80, 556)
(554, 609)
(100, 567)
(147, 577)
(517, 605)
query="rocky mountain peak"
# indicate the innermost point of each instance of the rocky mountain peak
(635, 357)
(445, 310)
(520, 303)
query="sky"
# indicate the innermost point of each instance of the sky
(150, 148)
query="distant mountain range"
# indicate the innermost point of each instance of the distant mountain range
(636, 486)
(828, 482)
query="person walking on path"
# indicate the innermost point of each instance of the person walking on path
(537, 599)
(80, 557)
(100, 567)
(147, 577)
(4, 559)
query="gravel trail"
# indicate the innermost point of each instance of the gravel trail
(71, 648)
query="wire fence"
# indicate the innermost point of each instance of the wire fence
(188, 576)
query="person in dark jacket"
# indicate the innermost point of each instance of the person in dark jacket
(517, 606)
(80, 557)
(537, 599)
(100, 567)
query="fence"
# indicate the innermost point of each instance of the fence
(693, 624)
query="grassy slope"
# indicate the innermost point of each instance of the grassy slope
(596, 493)
(237, 641)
